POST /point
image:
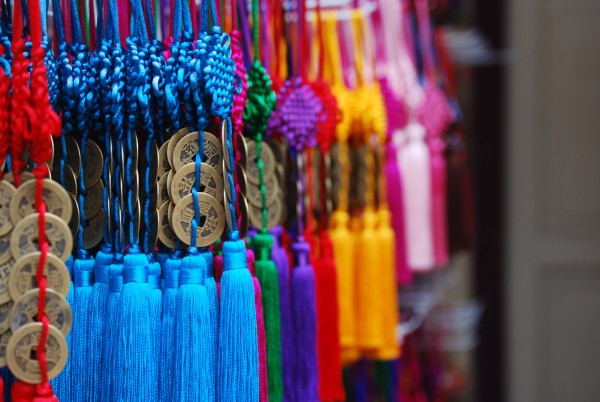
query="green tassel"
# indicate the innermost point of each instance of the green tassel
(266, 272)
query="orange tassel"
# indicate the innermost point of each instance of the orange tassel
(368, 285)
(343, 251)
(389, 349)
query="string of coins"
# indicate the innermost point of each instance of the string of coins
(40, 240)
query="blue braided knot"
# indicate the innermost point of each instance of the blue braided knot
(52, 72)
(219, 73)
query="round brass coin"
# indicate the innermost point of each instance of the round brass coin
(20, 353)
(5, 310)
(5, 270)
(92, 201)
(174, 141)
(75, 218)
(73, 153)
(255, 197)
(5, 252)
(56, 198)
(241, 180)
(24, 237)
(163, 189)
(185, 178)
(94, 163)
(165, 231)
(170, 176)
(242, 149)
(267, 157)
(93, 233)
(242, 216)
(22, 277)
(163, 161)
(25, 309)
(227, 156)
(7, 192)
(187, 148)
(25, 177)
(212, 214)
(70, 180)
(274, 214)
(4, 338)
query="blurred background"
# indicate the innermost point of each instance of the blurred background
(516, 317)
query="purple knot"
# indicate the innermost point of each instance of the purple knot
(298, 114)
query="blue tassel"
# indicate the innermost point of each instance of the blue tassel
(62, 385)
(80, 353)
(193, 351)
(167, 357)
(162, 258)
(237, 378)
(304, 321)
(155, 302)
(112, 384)
(140, 376)
(97, 315)
(213, 304)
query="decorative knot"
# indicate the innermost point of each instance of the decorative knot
(261, 100)
(434, 113)
(240, 95)
(330, 114)
(298, 114)
(395, 109)
(219, 73)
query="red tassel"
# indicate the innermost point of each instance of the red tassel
(24, 392)
(331, 387)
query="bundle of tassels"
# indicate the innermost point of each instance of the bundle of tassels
(224, 214)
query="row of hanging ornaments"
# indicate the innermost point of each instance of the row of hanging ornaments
(192, 211)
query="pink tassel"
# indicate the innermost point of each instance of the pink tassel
(413, 163)
(395, 193)
(435, 115)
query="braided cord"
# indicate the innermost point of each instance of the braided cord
(116, 123)
(104, 66)
(134, 79)
(150, 123)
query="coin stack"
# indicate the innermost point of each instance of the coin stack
(273, 177)
(69, 151)
(19, 259)
(177, 176)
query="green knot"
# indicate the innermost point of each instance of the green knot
(261, 100)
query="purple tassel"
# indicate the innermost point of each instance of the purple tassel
(280, 258)
(304, 325)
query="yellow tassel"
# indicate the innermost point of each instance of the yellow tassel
(368, 285)
(343, 250)
(389, 349)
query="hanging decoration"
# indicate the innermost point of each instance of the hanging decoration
(215, 200)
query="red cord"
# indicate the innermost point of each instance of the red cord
(4, 117)
(44, 124)
(22, 113)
